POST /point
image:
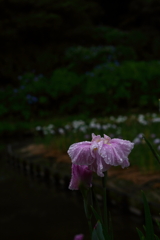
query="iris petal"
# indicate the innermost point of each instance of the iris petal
(101, 153)
(80, 153)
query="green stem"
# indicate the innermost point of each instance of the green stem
(105, 213)
(87, 199)
(90, 227)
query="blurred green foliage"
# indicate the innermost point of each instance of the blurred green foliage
(110, 87)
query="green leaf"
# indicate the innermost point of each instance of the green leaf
(94, 235)
(156, 155)
(158, 223)
(97, 207)
(156, 237)
(141, 235)
(97, 216)
(148, 220)
(144, 228)
(97, 233)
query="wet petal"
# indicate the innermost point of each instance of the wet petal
(116, 152)
(99, 166)
(80, 175)
(80, 153)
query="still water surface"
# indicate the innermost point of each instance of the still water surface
(31, 211)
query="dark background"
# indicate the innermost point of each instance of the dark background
(54, 52)
(35, 34)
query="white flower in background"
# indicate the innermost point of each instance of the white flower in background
(140, 135)
(154, 115)
(83, 128)
(76, 124)
(50, 126)
(140, 116)
(155, 120)
(105, 127)
(137, 140)
(156, 141)
(67, 127)
(141, 119)
(92, 125)
(61, 131)
(121, 119)
(38, 128)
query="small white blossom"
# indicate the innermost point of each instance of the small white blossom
(140, 135)
(121, 119)
(105, 127)
(154, 115)
(83, 128)
(137, 140)
(61, 130)
(38, 128)
(156, 120)
(76, 124)
(50, 126)
(142, 120)
(67, 126)
(156, 141)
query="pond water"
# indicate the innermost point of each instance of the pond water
(30, 210)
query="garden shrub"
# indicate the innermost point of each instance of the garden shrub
(107, 88)
(81, 59)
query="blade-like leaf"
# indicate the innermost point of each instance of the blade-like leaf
(144, 228)
(97, 207)
(94, 235)
(97, 216)
(97, 233)
(156, 155)
(148, 220)
(141, 235)
(156, 237)
(158, 223)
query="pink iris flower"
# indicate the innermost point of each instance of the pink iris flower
(101, 153)
(81, 175)
(79, 237)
